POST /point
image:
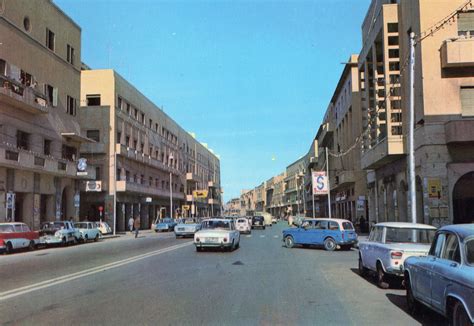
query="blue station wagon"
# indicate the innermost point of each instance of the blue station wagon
(322, 232)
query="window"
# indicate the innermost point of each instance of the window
(93, 100)
(119, 103)
(394, 66)
(22, 139)
(470, 251)
(150, 122)
(393, 40)
(119, 137)
(51, 94)
(98, 175)
(69, 153)
(452, 250)
(26, 23)
(397, 130)
(128, 109)
(50, 37)
(70, 54)
(392, 27)
(393, 53)
(71, 105)
(47, 147)
(93, 134)
(25, 78)
(150, 181)
(378, 234)
(143, 118)
(466, 23)
(467, 101)
(333, 226)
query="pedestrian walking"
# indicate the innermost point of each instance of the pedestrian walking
(130, 224)
(136, 224)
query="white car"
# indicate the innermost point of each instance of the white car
(217, 233)
(389, 244)
(243, 226)
(88, 231)
(59, 232)
(274, 220)
(186, 228)
(103, 227)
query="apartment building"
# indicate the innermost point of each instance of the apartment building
(232, 207)
(261, 197)
(294, 194)
(40, 135)
(248, 199)
(143, 159)
(275, 189)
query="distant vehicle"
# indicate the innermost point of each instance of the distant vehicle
(59, 232)
(444, 280)
(258, 222)
(88, 231)
(103, 227)
(389, 244)
(322, 232)
(243, 225)
(167, 224)
(186, 228)
(16, 236)
(267, 218)
(217, 233)
(274, 220)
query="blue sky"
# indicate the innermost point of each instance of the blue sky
(250, 78)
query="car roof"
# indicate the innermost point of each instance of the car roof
(462, 230)
(406, 225)
(13, 223)
(215, 219)
(340, 220)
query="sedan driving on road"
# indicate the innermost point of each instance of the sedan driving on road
(186, 228)
(217, 233)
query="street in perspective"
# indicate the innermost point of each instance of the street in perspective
(237, 162)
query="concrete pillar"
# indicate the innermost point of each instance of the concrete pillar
(121, 217)
(144, 216)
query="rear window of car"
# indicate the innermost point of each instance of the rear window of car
(470, 252)
(409, 235)
(347, 226)
(6, 229)
(241, 220)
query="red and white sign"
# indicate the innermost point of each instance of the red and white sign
(320, 183)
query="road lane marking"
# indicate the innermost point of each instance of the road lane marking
(276, 236)
(66, 278)
(248, 236)
(262, 236)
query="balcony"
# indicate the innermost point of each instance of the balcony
(325, 134)
(127, 186)
(387, 150)
(211, 184)
(94, 148)
(189, 198)
(344, 178)
(191, 177)
(459, 131)
(22, 97)
(457, 53)
(211, 201)
(13, 157)
(142, 158)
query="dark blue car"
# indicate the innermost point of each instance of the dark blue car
(322, 232)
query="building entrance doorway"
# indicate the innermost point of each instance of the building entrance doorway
(463, 199)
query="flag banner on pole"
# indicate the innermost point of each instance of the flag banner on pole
(320, 183)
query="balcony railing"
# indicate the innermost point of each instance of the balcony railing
(22, 97)
(127, 186)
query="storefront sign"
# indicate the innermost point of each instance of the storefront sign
(94, 186)
(434, 188)
(320, 183)
(200, 193)
(10, 202)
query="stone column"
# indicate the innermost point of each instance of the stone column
(144, 216)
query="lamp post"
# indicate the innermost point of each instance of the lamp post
(171, 185)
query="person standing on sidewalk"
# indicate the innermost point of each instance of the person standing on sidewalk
(136, 224)
(130, 224)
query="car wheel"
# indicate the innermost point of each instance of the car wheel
(86, 238)
(412, 303)
(64, 242)
(381, 277)
(32, 246)
(459, 316)
(330, 244)
(362, 269)
(96, 237)
(8, 248)
(264, 228)
(198, 249)
(289, 242)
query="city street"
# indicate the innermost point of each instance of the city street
(157, 279)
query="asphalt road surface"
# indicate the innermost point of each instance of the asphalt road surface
(159, 280)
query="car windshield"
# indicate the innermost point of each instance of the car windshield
(347, 226)
(219, 224)
(6, 228)
(409, 235)
(470, 251)
(80, 225)
(53, 225)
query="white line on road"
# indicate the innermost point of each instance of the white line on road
(262, 236)
(276, 236)
(62, 279)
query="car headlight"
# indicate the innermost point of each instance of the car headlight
(57, 234)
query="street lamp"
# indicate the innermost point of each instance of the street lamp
(171, 185)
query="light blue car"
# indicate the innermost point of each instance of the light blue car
(322, 232)
(444, 280)
(165, 225)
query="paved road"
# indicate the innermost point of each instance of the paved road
(159, 280)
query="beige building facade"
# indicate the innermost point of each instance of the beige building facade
(40, 135)
(142, 156)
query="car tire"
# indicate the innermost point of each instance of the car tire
(64, 242)
(329, 244)
(362, 270)
(412, 304)
(198, 249)
(459, 316)
(32, 246)
(8, 248)
(85, 239)
(381, 277)
(264, 228)
(289, 242)
(96, 237)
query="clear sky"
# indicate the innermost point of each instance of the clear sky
(250, 78)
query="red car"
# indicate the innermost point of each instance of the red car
(17, 235)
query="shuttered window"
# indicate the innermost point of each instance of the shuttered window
(467, 101)
(466, 22)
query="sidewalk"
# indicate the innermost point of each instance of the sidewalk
(125, 234)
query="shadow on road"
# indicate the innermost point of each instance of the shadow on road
(424, 316)
(395, 284)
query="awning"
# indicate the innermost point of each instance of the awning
(73, 136)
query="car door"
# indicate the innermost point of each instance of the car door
(306, 232)
(443, 267)
(374, 247)
(334, 231)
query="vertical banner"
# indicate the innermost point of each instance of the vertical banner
(320, 183)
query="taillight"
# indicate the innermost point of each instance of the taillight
(396, 254)
(197, 240)
(225, 239)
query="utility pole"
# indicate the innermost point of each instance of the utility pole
(171, 186)
(411, 132)
(115, 188)
(312, 193)
(329, 186)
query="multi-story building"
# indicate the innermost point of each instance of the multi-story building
(293, 187)
(143, 159)
(261, 197)
(248, 199)
(275, 189)
(232, 207)
(40, 136)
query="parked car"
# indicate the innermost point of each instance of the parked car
(103, 227)
(267, 218)
(258, 222)
(217, 233)
(16, 236)
(88, 231)
(243, 226)
(325, 232)
(389, 244)
(59, 232)
(444, 280)
(167, 224)
(186, 228)
(274, 220)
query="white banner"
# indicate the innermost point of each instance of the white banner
(320, 183)
(94, 186)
